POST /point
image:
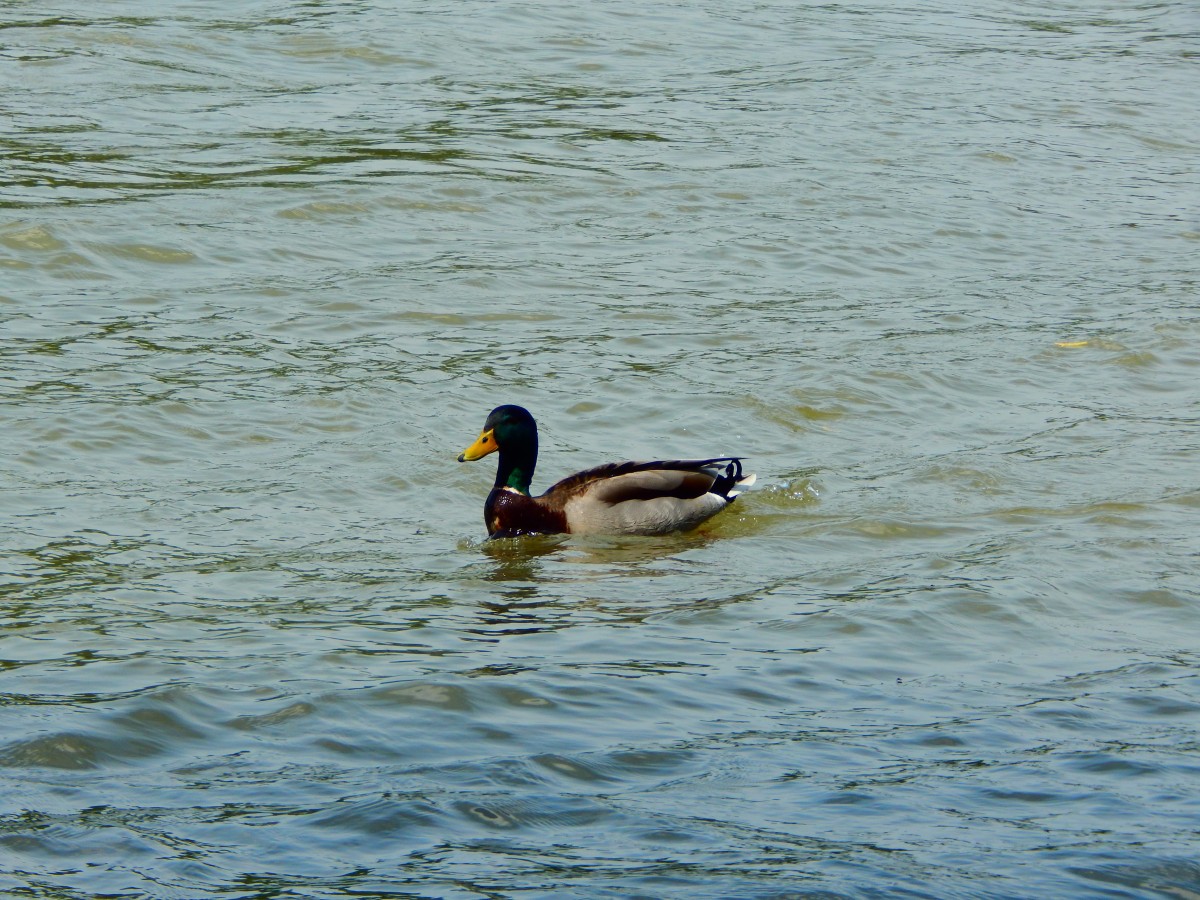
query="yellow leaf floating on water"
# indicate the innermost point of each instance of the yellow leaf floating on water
(1071, 343)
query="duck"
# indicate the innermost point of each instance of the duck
(623, 498)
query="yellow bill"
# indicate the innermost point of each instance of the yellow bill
(485, 444)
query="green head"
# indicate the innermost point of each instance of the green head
(511, 431)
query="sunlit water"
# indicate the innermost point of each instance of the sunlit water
(265, 267)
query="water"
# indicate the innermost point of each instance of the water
(263, 271)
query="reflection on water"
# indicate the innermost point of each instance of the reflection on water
(930, 270)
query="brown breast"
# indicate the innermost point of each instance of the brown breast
(508, 513)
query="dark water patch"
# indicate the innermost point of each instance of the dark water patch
(551, 812)
(385, 815)
(1114, 764)
(77, 751)
(1167, 878)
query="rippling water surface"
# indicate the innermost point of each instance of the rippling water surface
(265, 267)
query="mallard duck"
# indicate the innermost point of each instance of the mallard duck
(618, 498)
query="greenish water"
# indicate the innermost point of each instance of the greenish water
(264, 269)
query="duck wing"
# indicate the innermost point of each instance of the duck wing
(647, 497)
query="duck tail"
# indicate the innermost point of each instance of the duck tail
(732, 481)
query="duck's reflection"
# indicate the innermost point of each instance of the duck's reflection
(524, 578)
